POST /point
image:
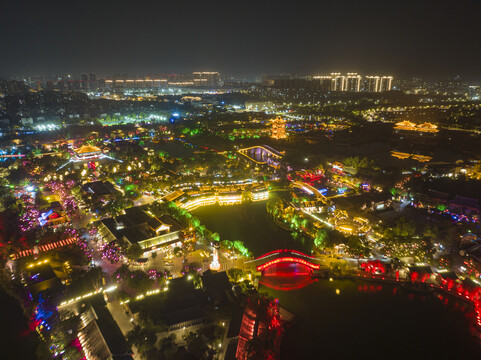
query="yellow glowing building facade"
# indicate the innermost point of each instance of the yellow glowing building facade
(353, 82)
(87, 152)
(227, 198)
(409, 126)
(278, 128)
(417, 157)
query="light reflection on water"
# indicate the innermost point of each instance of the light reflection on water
(286, 277)
(347, 319)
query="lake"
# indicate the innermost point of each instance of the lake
(250, 223)
(365, 320)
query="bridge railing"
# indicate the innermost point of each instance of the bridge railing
(284, 253)
(266, 148)
(279, 251)
(288, 259)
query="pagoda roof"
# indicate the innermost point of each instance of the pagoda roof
(405, 123)
(86, 149)
(428, 125)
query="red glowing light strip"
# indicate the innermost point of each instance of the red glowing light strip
(46, 247)
(288, 259)
(284, 251)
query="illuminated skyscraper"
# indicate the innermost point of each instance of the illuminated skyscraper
(352, 82)
(372, 83)
(337, 82)
(386, 83)
(206, 78)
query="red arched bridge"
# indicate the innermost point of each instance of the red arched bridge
(284, 256)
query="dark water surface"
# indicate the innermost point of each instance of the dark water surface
(365, 320)
(16, 342)
(252, 225)
(373, 320)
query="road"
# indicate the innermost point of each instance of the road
(123, 321)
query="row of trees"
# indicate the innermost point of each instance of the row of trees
(357, 162)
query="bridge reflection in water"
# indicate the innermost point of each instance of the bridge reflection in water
(262, 154)
(285, 269)
(287, 276)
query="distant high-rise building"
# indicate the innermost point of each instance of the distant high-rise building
(101, 84)
(337, 82)
(386, 83)
(206, 78)
(12, 87)
(267, 80)
(88, 81)
(74, 85)
(84, 81)
(324, 82)
(372, 83)
(352, 82)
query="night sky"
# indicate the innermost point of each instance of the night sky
(427, 38)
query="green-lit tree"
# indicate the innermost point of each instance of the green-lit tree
(357, 246)
(338, 267)
(235, 274)
(275, 206)
(321, 240)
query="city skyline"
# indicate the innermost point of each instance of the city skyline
(420, 38)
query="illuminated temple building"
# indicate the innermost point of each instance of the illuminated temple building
(278, 129)
(194, 201)
(403, 155)
(409, 126)
(87, 152)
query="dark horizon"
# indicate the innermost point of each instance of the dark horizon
(424, 38)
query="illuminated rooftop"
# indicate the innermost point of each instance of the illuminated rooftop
(87, 149)
(424, 127)
(406, 123)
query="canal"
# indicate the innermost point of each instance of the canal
(348, 319)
